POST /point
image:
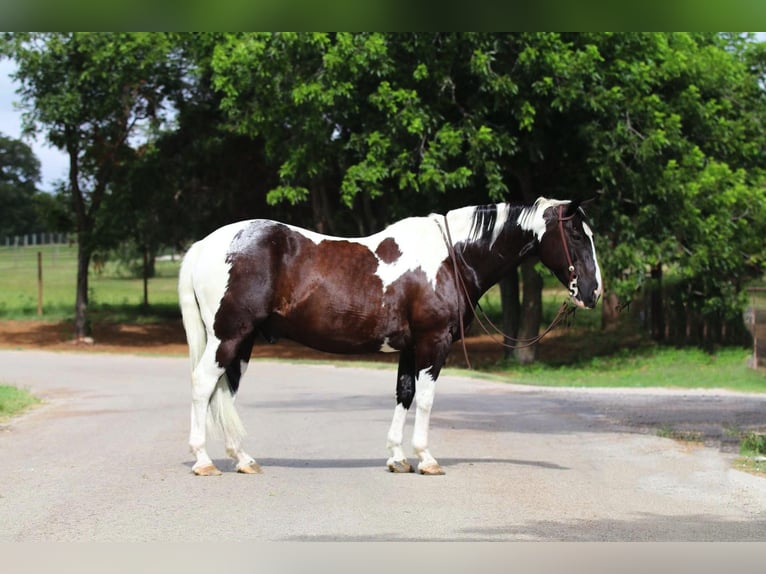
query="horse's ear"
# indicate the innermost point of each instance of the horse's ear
(572, 208)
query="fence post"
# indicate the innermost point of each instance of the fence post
(39, 283)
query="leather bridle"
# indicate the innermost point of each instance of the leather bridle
(573, 291)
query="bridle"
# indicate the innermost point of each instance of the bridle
(564, 312)
(573, 291)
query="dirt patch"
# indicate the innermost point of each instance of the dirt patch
(168, 339)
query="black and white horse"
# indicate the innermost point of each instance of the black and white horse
(406, 289)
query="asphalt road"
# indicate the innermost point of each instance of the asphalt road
(105, 459)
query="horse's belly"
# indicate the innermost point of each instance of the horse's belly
(343, 331)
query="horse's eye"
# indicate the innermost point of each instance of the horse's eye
(576, 236)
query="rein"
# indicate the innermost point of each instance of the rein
(564, 312)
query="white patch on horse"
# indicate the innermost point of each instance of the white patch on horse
(386, 347)
(425, 389)
(532, 218)
(421, 246)
(396, 435)
(211, 279)
(589, 233)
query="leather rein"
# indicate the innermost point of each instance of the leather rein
(564, 312)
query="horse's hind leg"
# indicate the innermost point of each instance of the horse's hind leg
(205, 377)
(233, 436)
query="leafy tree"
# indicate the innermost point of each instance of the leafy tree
(665, 128)
(675, 144)
(19, 175)
(91, 93)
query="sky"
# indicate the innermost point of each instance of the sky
(53, 163)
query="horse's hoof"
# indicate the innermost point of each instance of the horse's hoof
(432, 469)
(208, 470)
(400, 466)
(253, 468)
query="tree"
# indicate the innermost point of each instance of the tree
(19, 175)
(90, 93)
(675, 143)
(665, 128)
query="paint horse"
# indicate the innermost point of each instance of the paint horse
(406, 289)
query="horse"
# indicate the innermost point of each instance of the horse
(410, 288)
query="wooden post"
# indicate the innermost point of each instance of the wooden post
(39, 283)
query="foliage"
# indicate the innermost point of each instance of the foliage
(753, 444)
(19, 175)
(676, 148)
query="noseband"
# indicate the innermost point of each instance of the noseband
(573, 291)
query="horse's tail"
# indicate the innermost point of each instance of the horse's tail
(222, 416)
(196, 336)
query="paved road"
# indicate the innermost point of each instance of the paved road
(106, 459)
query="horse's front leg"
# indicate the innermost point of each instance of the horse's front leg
(429, 359)
(405, 391)
(424, 400)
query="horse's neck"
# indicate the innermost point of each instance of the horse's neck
(485, 261)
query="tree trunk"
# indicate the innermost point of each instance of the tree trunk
(610, 316)
(147, 273)
(509, 299)
(82, 328)
(531, 310)
(657, 310)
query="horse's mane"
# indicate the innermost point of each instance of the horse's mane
(485, 220)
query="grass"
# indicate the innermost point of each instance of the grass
(752, 449)
(649, 367)
(14, 401)
(115, 295)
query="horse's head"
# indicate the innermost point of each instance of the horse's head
(567, 248)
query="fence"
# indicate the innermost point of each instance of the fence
(30, 239)
(675, 316)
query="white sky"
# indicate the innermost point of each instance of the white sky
(54, 164)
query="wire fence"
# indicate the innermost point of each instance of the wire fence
(32, 239)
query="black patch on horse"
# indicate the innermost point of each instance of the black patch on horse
(484, 220)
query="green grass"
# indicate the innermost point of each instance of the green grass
(753, 444)
(14, 401)
(115, 295)
(648, 367)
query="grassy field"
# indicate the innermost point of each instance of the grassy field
(115, 294)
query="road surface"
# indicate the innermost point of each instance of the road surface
(105, 459)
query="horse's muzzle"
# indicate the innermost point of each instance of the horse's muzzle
(588, 302)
